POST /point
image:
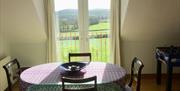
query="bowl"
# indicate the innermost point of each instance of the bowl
(73, 66)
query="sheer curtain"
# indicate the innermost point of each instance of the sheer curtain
(50, 30)
(115, 31)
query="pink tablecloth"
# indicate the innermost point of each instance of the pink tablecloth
(51, 73)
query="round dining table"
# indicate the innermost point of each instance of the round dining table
(52, 73)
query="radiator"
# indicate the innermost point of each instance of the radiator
(3, 78)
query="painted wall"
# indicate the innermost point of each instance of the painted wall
(124, 8)
(3, 50)
(2, 39)
(148, 24)
(1, 44)
(29, 54)
(25, 30)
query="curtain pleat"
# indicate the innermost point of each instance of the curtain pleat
(50, 27)
(115, 33)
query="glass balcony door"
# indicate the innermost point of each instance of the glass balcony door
(99, 28)
(83, 27)
(68, 39)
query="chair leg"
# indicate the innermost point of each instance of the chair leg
(169, 77)
(158, 72)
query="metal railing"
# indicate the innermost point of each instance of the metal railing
(98, 45)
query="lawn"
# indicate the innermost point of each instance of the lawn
(99, 27)
(102, 26)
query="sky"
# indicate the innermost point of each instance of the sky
(73, 4)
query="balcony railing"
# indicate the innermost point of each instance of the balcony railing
(98, 43)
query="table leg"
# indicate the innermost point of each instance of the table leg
(158, 74)
(169, 77)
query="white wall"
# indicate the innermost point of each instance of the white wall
(3, 51)
(2, 37)
(25, 30)
(29, 54)
(1, 40)
(147, 25)
(1, 45)
(124, 8)
(22, 23)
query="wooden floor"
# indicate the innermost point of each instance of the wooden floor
(148, 83)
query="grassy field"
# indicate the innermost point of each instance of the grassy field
(100, 26)
(99, 47)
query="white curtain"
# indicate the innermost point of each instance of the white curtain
(115, 32)
(50, 27)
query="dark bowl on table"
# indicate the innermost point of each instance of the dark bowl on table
(73, 66)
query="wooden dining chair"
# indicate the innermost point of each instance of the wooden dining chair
(13, 71)
(136, 69)
(80, 55)
(78, 84)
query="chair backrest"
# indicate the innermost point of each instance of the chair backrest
(79, 55)
(79, 84)
(12, 69)
(136, 68)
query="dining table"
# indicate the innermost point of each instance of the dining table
(52, 73)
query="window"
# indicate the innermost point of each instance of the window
(83, 27)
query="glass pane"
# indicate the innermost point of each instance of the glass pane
(68, 37)
(99, 12)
